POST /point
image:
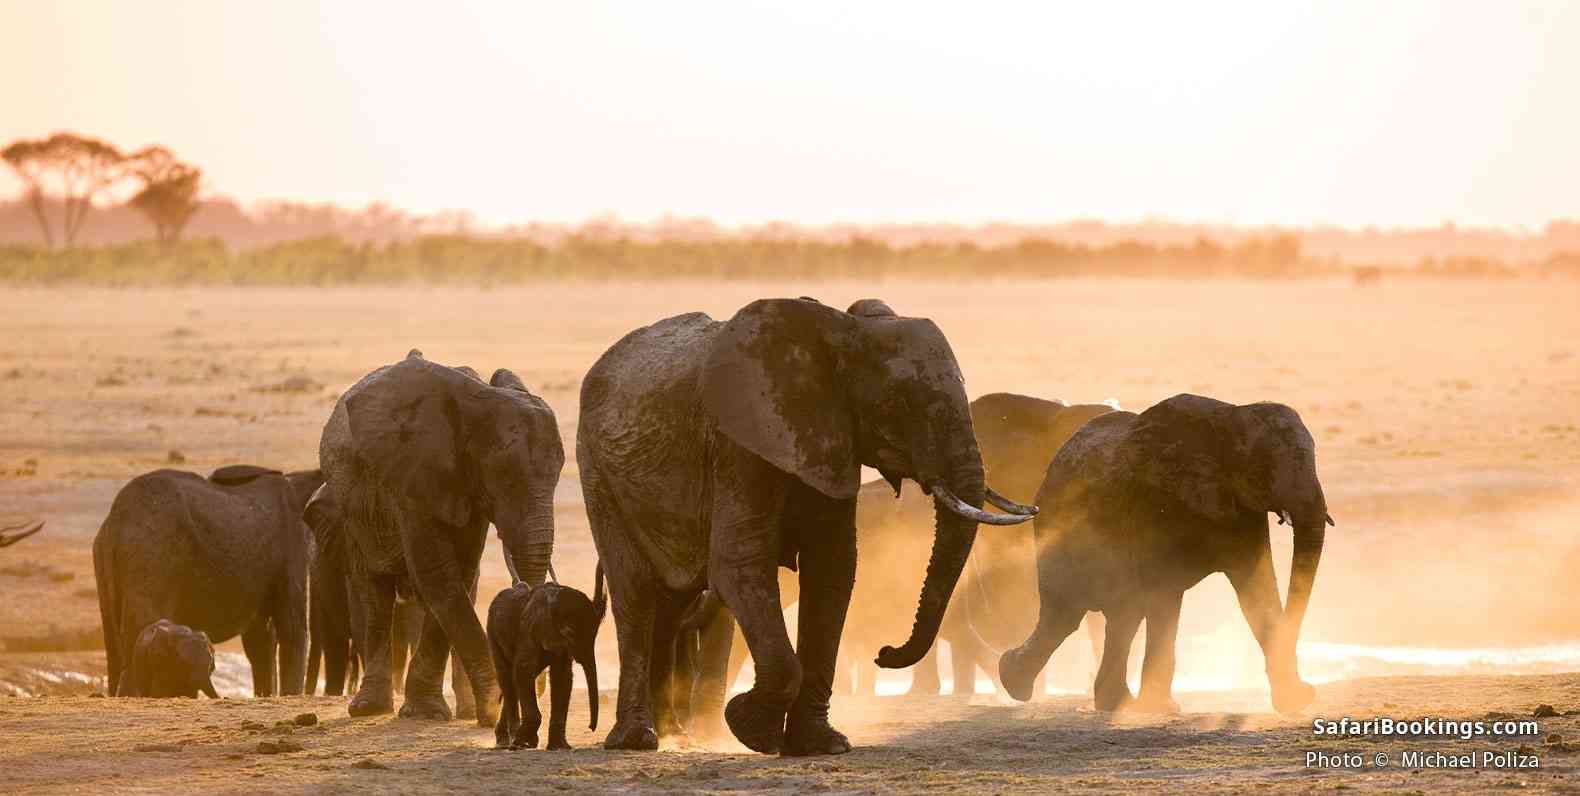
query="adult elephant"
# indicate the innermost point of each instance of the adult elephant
(712, 453)
(422, 457)
(1139, 508)
(225, 555)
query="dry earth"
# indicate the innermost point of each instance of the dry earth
(1447, 440)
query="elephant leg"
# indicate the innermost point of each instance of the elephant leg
(664, 677)
(559, 701)
(258, 642)
(290, 631)
(405, 629)
(424, 697)
(1059, 615)
(315, 652)
(442, 567)
(336, 652)
(528, 665)
(376, 693)
(828, 574)
(1109, 691)
(505, 726)
(1256, 586)
(715, 650)
(924, 675)
(1157, 669)
(465, 701)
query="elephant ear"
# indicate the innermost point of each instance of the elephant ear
(1181, 454)
(769, 382)
(405, 426)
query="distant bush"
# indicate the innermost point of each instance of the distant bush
(461, 259)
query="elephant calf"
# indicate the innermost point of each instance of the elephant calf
(532, 629)
(169, 660)
(1139, 508)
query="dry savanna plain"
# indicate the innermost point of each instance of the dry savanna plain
(1446, 425)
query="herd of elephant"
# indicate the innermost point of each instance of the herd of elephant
(720, 465)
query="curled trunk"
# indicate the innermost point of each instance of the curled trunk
(953, 536)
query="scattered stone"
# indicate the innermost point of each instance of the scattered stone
(1544, 712)
(278, 747)
(282, 728)
(369, 764)
(111, 380)
(306, 719)
(182, 331)
(96, 695)
(156, 747)
(176, 457)
(252, 726)
(1554, 738)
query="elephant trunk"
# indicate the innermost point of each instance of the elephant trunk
(1310, 532)
(206, 685)
(589, 663)
(529, 536)
(954, 532)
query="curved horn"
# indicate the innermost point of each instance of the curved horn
(1009, 505)
(943, 497)
(7, 540)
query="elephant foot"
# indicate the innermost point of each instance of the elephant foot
(1109, 700)
(525, 740)
(425, 707)
(760, 727)
(1013, 675)
(1294, 697)
(1154, 704)
(371, 702)
(558, 745)
(813, 736)
(633, 735)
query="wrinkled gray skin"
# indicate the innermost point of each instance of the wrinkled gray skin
(338, 622)
(16, 533)
(169, 660)
(225, 555)
(421, 458)
(713, 453)
(994, 606)
(1138, 508)
(532, 629)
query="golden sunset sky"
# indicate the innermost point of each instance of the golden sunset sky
(1390, 113)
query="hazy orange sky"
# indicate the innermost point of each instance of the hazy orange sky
(1392, 113)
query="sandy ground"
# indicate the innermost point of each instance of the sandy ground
(1447, 441)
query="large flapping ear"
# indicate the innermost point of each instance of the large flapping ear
(769, 380)
(406, 430)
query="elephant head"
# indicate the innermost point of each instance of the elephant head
(455, 449)
(818, 393)
(181, 659)
(8, 538)
(576, 623)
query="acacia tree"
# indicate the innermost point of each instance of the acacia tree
(74, 167)
(169, 195)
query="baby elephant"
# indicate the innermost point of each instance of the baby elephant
(169, 660)
(532, 629)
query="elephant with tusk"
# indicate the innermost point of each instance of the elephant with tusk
(23, 531)
(1139, 508)
(713, 453)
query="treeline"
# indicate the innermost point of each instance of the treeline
(459, 259)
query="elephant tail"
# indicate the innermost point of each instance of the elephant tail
(109, 610)
(600, 597)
